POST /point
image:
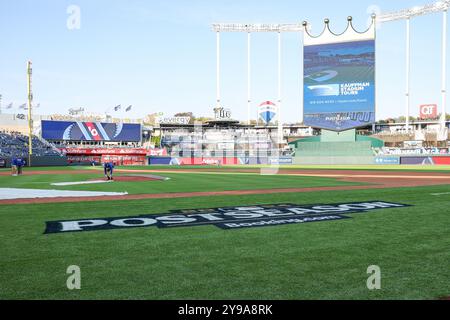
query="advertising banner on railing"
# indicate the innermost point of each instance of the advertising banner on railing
(115, 151)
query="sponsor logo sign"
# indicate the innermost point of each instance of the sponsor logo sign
(280, 160)
(222, 114)
(173, 120)
(267, 111)
(226, 217)
(387, 160)
(428, 111)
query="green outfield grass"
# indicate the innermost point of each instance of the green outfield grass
(326, 260)
(179, 182)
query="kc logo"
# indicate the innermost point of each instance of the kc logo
(428, 111)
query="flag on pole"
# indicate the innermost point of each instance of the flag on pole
(116, 108)
(23, 106)
(128, 108)
(9, 106)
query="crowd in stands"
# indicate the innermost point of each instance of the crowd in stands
(15, 144)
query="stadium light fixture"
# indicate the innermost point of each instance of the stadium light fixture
(438, 6)
(416, 11)
(257, 27)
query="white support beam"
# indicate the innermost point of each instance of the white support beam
(280, 123)
(444, 69)
(249, 97)
(218, 69)
(408, 69)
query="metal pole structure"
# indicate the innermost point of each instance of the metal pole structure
(374, 21)
(405, 14)
(218, 67)
(302, 73)
(444, 68)
(408, 69)
(280, 125)
(30, 120)
(249, 99)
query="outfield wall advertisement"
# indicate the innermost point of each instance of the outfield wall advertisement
(339, 80)
(90, 131)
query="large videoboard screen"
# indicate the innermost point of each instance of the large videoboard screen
(339, 85)
(90, 131)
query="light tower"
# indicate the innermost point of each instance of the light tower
(30, 120)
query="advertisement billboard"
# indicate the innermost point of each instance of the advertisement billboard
(428, 111)
(90, 131)
(267, 111)
(339, 80)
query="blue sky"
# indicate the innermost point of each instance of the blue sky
(159, 55)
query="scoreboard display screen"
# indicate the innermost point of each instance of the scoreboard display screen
(90, 131)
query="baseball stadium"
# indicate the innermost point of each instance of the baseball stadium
(339, 206)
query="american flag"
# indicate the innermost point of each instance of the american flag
(128, 108)
(116, 108)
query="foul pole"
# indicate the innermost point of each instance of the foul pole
(30, 120)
